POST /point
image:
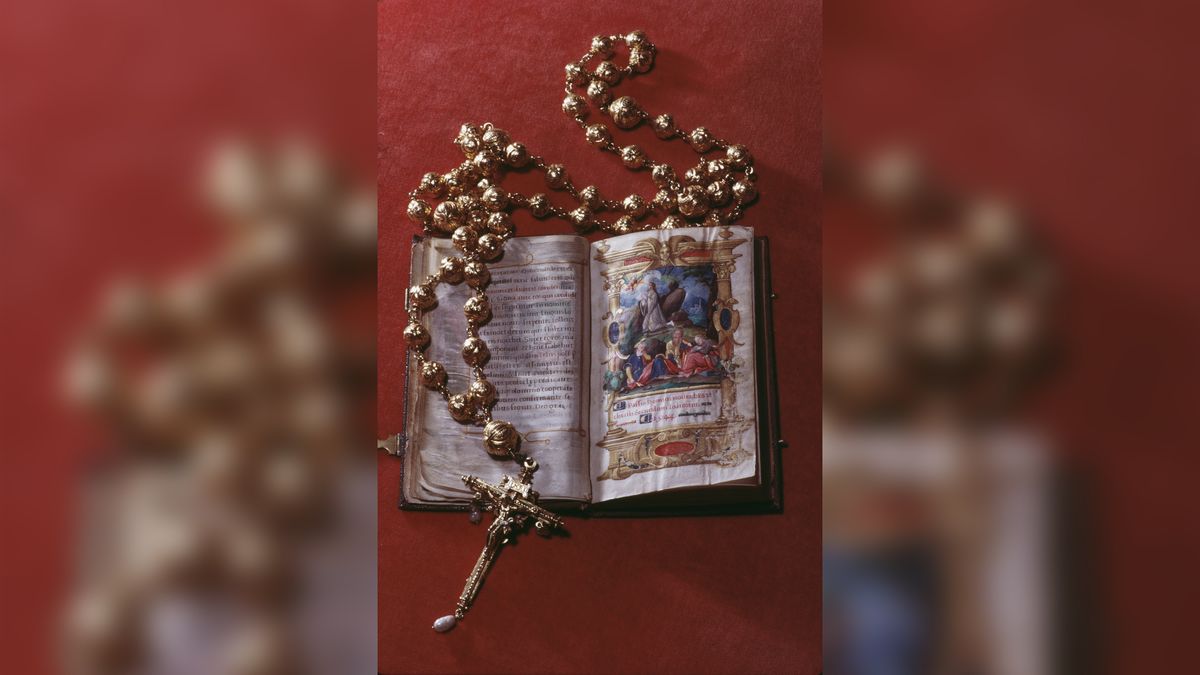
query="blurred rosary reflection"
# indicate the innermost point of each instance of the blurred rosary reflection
(233, 529)
(937, 499)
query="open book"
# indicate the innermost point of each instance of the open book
(633, 367)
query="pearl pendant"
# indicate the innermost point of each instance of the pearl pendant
(445, 623)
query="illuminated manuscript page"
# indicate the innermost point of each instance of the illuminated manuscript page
(536, 337)
(672, 368)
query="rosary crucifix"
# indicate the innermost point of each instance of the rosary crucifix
(513, 502)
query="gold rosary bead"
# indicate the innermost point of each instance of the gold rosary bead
(635, 38)
(477, 274)
(701, 139)
(451, 270)
(494, 198)
(597, 134)
(475, 352)
(745, 191)
(461, 408)
(468, 143)
(625, 112)
(608, 73)
(433, 374)
(422, 296)
(500, 438)
(419, 211)
(694, 176)
(581, 218)
(468, 203)
(485, 164)
(496, 139)
(481, 392)
(633, 157)
(469, 171)
(477, 309)
(717, 169)
(624, 225)
(500, 224)
(454, 182)
(470, 129)
(432, 184)
(635, 206)
(574, 105)
(715, 219)
(477, 218)
(664, 200)
(602, 45)
(664, 126)
(590, 197)
(516, 154)
(641, 58)
(738, 156)
(598, 93)
(464, 239)
(556, 176)
(496, 153)
(662, 174)
(416, 335)
(447, 216)
(539, 205)
(693, 203)
(490, 246)
(672, 222)
(719, 193)
(576, 75)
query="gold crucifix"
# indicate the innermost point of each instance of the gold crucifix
(513, 502)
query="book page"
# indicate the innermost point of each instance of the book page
(536, 336)
(673, 362)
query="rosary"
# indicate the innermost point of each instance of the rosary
(475, 213)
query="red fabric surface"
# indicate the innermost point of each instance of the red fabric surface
(1089, 122)
(109, 110)
(723, 594)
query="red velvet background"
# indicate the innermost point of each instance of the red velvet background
(720, 594)
(1087, 118)
(107, 114)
